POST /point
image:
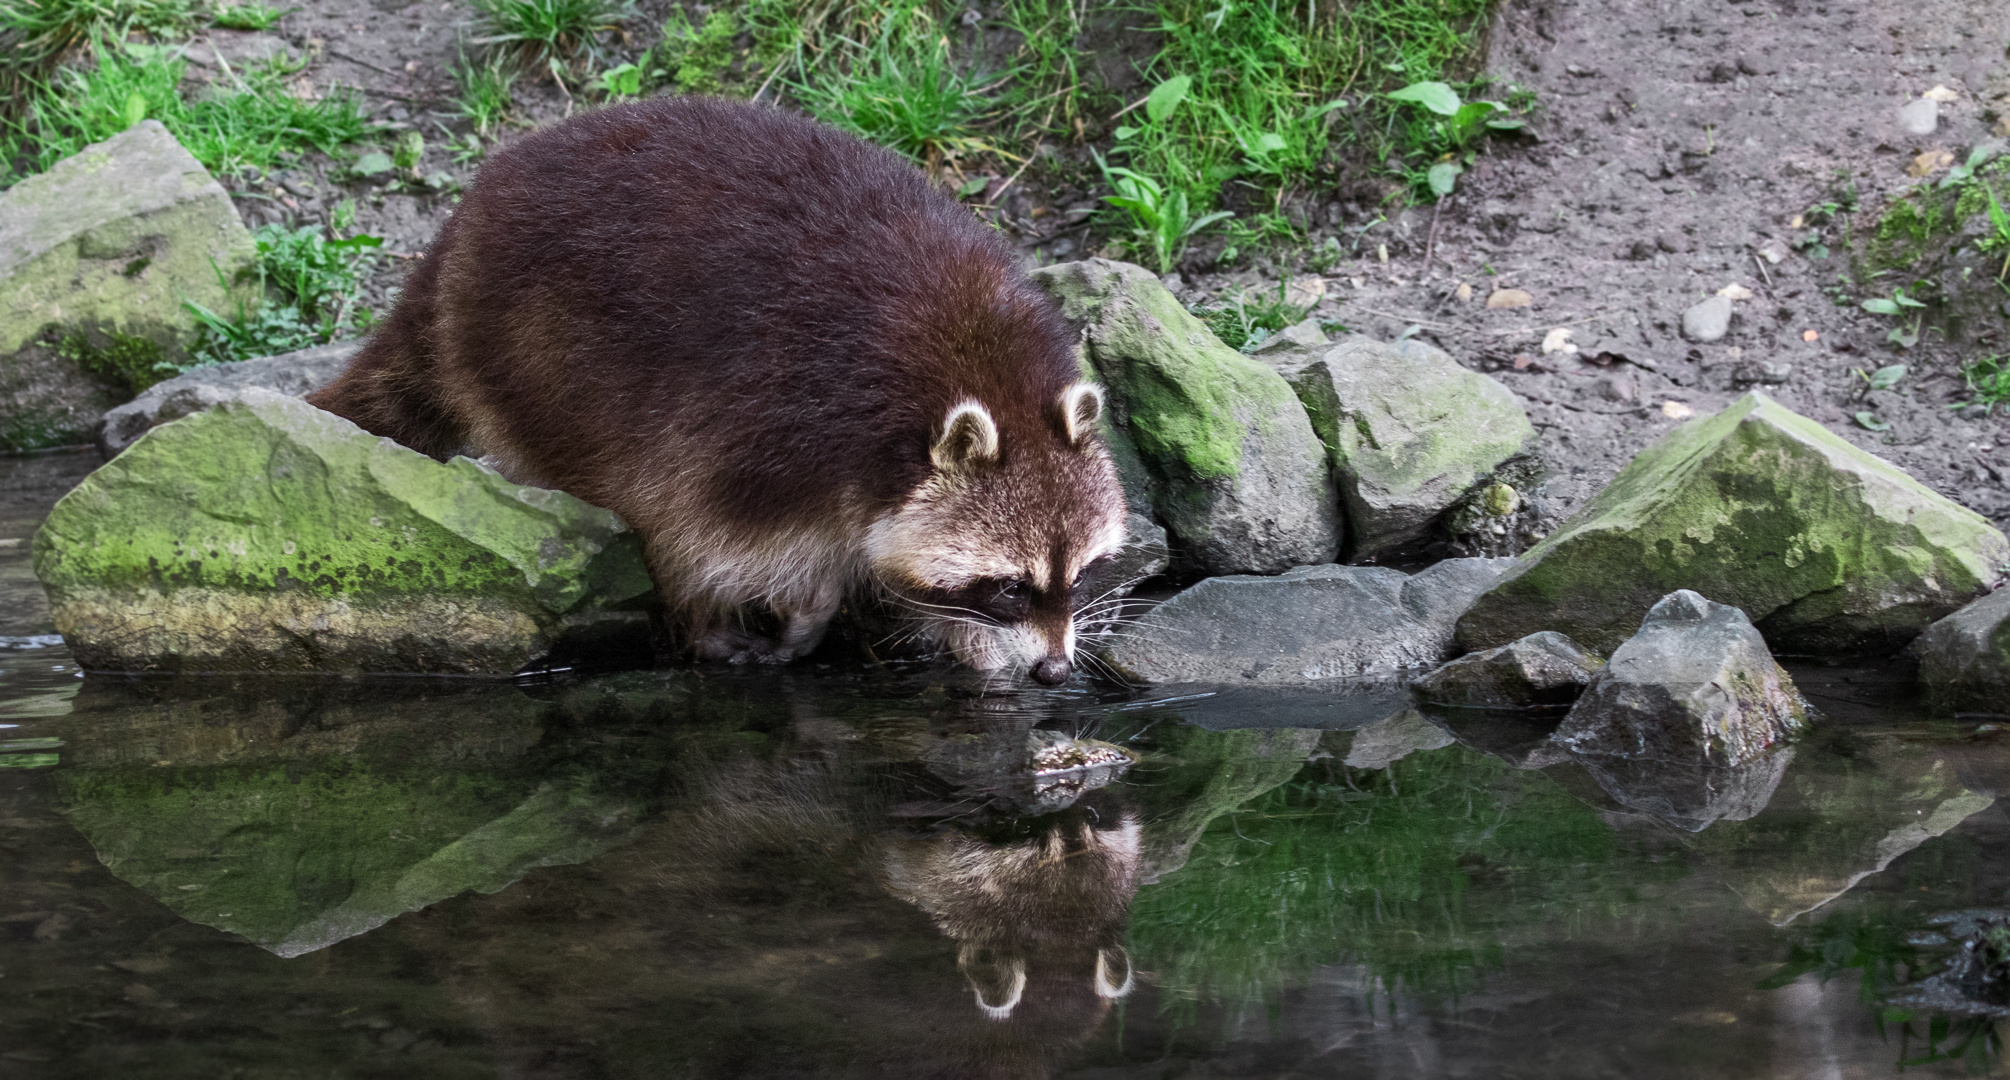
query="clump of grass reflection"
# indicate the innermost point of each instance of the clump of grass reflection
(1386, 869)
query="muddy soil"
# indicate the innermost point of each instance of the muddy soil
(1675, 143)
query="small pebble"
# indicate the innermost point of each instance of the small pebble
(1919, 117)
(1708, 320)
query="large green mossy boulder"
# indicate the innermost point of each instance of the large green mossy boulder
(1828, 548)
(267, 535)
(97, 256)
(1409, 432)
(1236, 474)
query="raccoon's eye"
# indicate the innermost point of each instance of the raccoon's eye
(1004, 599)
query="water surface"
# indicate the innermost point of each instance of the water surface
(846, 870)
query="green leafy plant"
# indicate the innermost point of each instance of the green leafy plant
(694, 59)
(1160, 221)
(483, 92)
(1988, 382)
(555, 36)
(309, 278)
(248, 16)
(1897, 304)
(1455, 131)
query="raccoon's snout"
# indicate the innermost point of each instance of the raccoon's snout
(1052, 670)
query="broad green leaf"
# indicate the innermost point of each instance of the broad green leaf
(1904, 300)
(1507, 125)
(1124, 132)
(1443, 176)
(1166, 96)
(1878, 305)
(1269, 143)
(1887, 377)
(1318, 111)
(1871, 422)
(374, 163)
(1435, 96)
(135, 109)
(973, 186)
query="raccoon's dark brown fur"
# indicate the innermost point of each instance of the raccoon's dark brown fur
(792, 364)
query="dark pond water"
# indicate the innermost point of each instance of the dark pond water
(848, 872)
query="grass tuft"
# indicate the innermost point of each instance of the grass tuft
(558, 36)
(248, 16)
(253, 125)
(900, 87)
(1988, 383)
(484, 98)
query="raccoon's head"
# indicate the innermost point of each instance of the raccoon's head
(990, 551)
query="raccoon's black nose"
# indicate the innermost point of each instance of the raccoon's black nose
(1052, 670)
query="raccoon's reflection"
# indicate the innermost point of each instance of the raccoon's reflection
(872, 900)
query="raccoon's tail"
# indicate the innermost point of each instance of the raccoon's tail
(391, 388)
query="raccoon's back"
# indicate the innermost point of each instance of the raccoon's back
(707, 293)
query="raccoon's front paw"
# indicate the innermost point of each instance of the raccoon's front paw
(736, 646)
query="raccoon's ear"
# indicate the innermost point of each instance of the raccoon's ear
(969, 438)
(1081, 407)
(1113, 972)
(998, 981)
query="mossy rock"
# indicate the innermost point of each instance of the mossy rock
(97, 256)
(267, 535)
(1409, 432)
(1234, 470)
(1828, 548)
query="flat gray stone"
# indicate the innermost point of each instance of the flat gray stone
(1964, 659)
(1707, 320)
(295, 374)
(1306, 625)
(1544, 668)
(1919, 117)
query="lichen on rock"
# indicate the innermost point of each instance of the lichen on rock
(1828, 548)
(266, 534)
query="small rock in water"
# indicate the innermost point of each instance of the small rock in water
(1707, 320)
(1696, 685)
(1682, 722)
(1919, 117)
(1544, 668)
(1306, 625)
(1964, 659)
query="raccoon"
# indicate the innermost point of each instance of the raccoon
(800, 371)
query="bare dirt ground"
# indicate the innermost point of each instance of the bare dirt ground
(1677, 142)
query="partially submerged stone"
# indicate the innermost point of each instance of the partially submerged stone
(1828, 548)
(96, 257)
(1408, 430)
(1306, 625)
(1382, 744)
(1236, 475)
(1964, 659)
(295, 374)
(268, 535)
(1544, 668)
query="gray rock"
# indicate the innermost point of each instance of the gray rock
(1382, 744)
(1544, 668)
(1696, 686)
(1919, 117)
(1301, 335)
(1762, 373)
(97, 254)
(1690, 796)
(1144, 555)
(1235, 473)
(295, 374)
(1708, 320)
(1306, 625)
(1409, 431)
(1964, 659)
